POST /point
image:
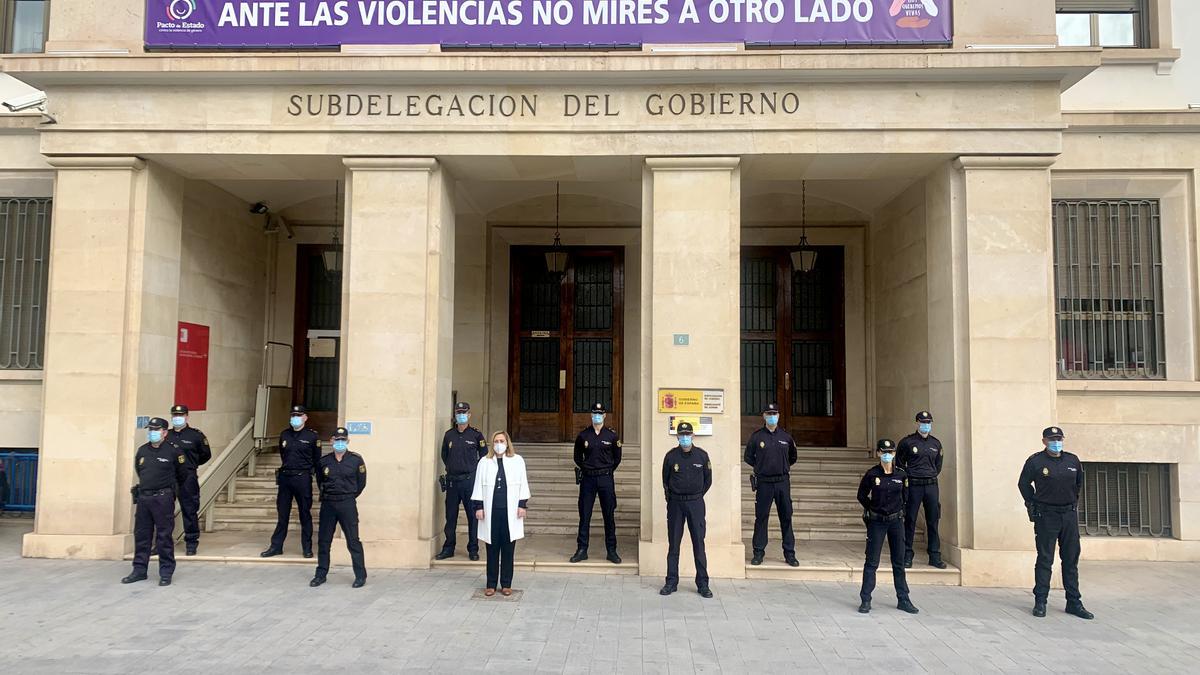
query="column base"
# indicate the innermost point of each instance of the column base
(76, 546)
(725, 561)
(389, 553)
(987, 568)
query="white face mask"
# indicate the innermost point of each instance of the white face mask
(499, 447)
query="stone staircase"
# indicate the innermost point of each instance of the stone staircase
(824, 506)
(253, 505)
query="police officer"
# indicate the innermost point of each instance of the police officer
(882, 492)
(161, 467)
(686, 477)
(597, 456)
(772, 452)
(194, 445)
(300, 452)
(920, 456)
(462, 448)
(342, 477)
(1050, 484)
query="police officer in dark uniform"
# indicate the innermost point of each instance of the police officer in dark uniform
(597, 456)
(300, 452)
(342, 477)
(919, 454)
(686, 477)
(1050, 483)
(462, 448)
(772, 452)
(161, 467)
(882, 492)
(194, 445)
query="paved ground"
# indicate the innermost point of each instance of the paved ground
(64, 616)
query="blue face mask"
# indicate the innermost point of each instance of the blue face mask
(1055, 447)
(887, 457)
(685, 441)
(296, 421)
(156, 436)
(597, 418)
(924, 427)
(460, 418)
(772, 420)
(178, 422)
(340, 445)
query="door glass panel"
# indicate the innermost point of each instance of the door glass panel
(812, 392)
(321, 381)
(324, 313)
(758, 294)
(758, 375)
(593, 374)
(539, 375)
(541, 296)
(593, 293)
(812, 298)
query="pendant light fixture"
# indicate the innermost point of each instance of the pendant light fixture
(804, 258)
(332, 257)
(556, 257)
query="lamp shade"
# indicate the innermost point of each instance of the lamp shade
(332, 260)
(804, 259)
(556, 260)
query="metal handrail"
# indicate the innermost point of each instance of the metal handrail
(221, 471)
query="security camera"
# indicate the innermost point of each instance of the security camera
(34, 99)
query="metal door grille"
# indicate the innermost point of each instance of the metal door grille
(324, 313)
(758, 294)
(539, 375)
(541, 297)
(812, 298)
(812, 395)
(1108, 289)
(1125, 499)
(593, 293)
(593, 374)
(24, 258)
(758, 375)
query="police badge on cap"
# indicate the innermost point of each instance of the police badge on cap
(598, 409)
(884, 445)
(924, 416)
(299, 410)
(1052, 434)
(179, 409)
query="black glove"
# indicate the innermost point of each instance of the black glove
(443, 483)
(578, 475)
(133, 492)
(1032, 512)
(865, 518)
(753, 483)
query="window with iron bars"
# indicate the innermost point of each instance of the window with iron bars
(1102, 23)
(1108, 289)
(1125, 500)
(24, 267)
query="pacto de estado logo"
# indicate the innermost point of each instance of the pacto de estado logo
(913, 13)
(179, 10)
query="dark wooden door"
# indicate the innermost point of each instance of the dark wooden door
(793, 349)
(317, 337)
(565, 342)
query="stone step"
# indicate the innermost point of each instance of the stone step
(571, 529)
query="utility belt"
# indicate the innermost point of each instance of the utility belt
(460, 476)
(337, 498)
(683, 498)
(592, 473)
(145, 492)
(770, 479)
(882, 517)
(293, 472)
(921, 481)
(1053, 508)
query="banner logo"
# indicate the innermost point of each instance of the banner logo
(179, 10)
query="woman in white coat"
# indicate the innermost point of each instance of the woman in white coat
(500, 495)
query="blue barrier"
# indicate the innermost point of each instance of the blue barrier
(20, 477)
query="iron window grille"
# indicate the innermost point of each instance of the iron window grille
(24, 276)
(1108, 289)
(1125, 500)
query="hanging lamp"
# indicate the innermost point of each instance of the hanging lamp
(804, 258)
(556, 257)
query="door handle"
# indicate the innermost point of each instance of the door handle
(562, 379)
(787, 381)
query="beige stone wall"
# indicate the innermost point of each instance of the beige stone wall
(96, 25)
(1015, 22)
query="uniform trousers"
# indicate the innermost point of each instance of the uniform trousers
(1061, 528)
(154, 523)
(339, 510)
(779, 495)
(589, 488)
(893, 530)
(690, 512)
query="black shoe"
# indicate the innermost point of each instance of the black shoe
(134, 577)
(579, 556)
(164, 581)
(358, 583)
(705, 592)
(270, 552)
(443, 554)
(756, 559)
(1076, 609)
(474, 556)
(906, 605)
(614, 558)
(1039, 608)
(791, 561)
(908, 561)
(191, 550)
(865, 607)
(308, 554)
(938, 563)
(667, 590)
(316, 581)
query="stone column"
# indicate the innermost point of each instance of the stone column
(398, 333)
(691, 253)
(991, 344)
(110, 347)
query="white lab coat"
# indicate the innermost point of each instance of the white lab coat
(485, 489)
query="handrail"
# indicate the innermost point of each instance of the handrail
(221, 470)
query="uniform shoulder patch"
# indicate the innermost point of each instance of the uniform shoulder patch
(762, 444)
(326, 471)
(141, 461)
(877, 480)
(618, 443)
(482, 443)
(585, 444)
(676, 468)
(362, 468)
(905, 482)
(318, 442)
(1045, 471)
(283, 445)
(708, 464)
(915, 450)
(204, 440)
(180, 459)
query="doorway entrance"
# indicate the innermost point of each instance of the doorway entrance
(317, 338)
(565, 341)
(793, 347)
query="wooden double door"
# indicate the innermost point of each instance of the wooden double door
(793, 346)
(565, 342)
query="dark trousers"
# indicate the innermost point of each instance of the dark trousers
(1061, 529)
(606, 488)
(154, 522)
(927, 496)
(342, 512)
(876, 531)
(298, 488)
(500, 552)
(189, 508)
(691, 512)
(780, 496)
(458, 493)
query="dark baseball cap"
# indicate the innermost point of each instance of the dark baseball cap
(1052, 434)
(179, 409)
(462, 406)
(683, 428)
(340, 432)
(156, 423)
(299, 410)
(885, 444)
(770, 408)
(924, 416)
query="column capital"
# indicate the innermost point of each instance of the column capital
(1001, 162)
(96, 162)
(692, 163)
(390, 163)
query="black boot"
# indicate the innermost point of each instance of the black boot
(667, 589)
(191, 549)
(705, 592)
(905, 605)
(865, 607)
(271, 552)
(134, 577)
(316, 581)
(908, 560)
(937, 562)
(580, 555)
(1076, 609)
(613, 557)
(757, 558)
(473, 555)
(791, 560)
(443, 554)
(1039, 608)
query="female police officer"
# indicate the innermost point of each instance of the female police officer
(882, 493)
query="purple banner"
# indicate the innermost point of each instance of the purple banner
(234, 24)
